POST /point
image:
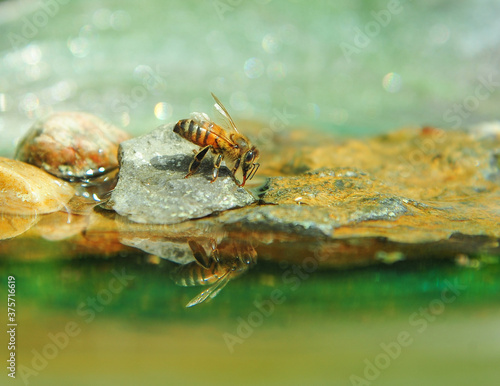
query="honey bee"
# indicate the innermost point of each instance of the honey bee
(234, 146)
(214, 270)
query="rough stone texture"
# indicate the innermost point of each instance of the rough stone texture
(26, 190)
(330, 198)
(71, 145)
(411, 194)
(152, 189)
(412, 185)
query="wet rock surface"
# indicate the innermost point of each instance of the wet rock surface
(407, 186)
(27, 190)
(152, 188)
(71, 145)
(411, 194)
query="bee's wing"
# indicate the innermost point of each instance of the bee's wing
(222, 110)
(200, 117)
(212, 291)
(199, 254)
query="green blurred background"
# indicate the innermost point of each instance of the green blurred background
(352, 68)
(349, 67)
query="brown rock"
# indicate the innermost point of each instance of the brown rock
(26, 190)
(61, 225)
(14, 225)
(72, 145)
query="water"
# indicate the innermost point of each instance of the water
(320, 329)
(140, 66)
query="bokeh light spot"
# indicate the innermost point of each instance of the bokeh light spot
(271, 43)
(79, 47)
(339, 116)
(120, 20)
(392, 82)
(254, 68)
(163, 111)
(29, 102)
(439, 34)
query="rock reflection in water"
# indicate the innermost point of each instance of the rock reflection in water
(58, 217)
(201, 260)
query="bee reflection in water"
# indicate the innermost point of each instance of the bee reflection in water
(226, 261)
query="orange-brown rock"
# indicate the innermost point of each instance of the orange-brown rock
(72, 145)
(27, 190)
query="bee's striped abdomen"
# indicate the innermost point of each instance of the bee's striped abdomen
(192, 274)
(201, 135)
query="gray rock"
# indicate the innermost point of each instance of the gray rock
(152, 188)
(291, 219)
(177, 252)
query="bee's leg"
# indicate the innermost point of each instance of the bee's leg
(195, 164)
(236, 166)
(216, 167)
(215, 251)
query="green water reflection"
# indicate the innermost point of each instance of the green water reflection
(269, 326)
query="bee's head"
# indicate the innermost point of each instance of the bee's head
(249, 166)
